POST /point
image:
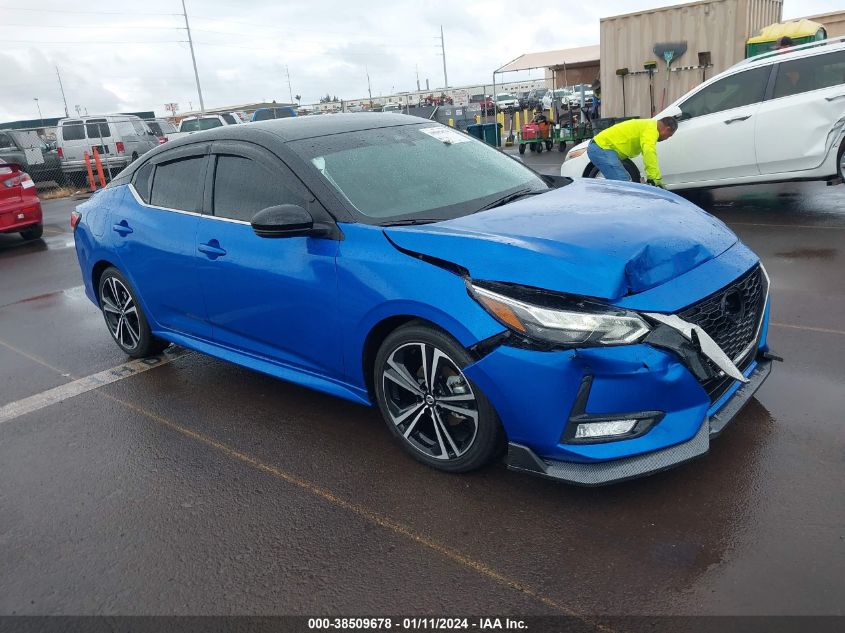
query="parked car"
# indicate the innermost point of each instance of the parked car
(206, 122)
(391, 107)
(771, 118)
(162, 128)
(20, 208)
(535, 98)
(119, 139)
(33, 154)
(561, 97)
(485, 102)
(479, 306)
(265, 114)
(523, 99)
(506, 102)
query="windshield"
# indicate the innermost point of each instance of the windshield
(194, 125)
(425, 171)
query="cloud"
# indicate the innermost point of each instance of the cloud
(113, 58)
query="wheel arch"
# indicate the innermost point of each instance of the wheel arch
(379, 332)
(97, 271)
(628, 164)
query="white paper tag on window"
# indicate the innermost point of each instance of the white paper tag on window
(26, 184)
(445, 134)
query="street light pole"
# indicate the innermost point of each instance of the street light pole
(193, 58)
(62, 88)
(443, 50)
(40, 116)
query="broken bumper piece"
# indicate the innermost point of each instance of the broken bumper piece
(522, 458)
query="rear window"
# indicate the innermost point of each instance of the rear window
(229, 119)
(155, 127)
(97, 128)
(273, 113)
(73, 131)
(195, 125)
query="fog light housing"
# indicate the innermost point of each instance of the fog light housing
(598, 428)
(604, 429)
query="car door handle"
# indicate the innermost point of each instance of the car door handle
(211, 249)
(834, 98)
(739, 118)
(123, 228)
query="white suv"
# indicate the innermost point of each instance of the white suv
(775, 117)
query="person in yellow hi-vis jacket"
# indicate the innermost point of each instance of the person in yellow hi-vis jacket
(630, 138)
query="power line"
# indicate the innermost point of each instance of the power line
(91, 42)
(92, 26)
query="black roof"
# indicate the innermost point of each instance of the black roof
(275, 131)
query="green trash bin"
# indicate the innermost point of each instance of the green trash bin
(476, 130)
(490, 133)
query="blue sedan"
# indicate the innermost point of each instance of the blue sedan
(588, 331)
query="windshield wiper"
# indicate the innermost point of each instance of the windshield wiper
(410, 222)
(510, 198)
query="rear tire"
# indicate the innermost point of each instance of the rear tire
(548, 146)
(33, 233)
(433, 410)
(124, 317)
(562, 146)
(522, 148)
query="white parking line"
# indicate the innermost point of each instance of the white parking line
(82, 385)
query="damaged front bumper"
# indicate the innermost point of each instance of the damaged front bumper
(522, 458)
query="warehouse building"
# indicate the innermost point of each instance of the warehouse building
(700, 39)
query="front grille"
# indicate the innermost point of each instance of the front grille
(716, 387)
(731, 317)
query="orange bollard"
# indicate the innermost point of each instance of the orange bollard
(91, 184)
(99, 164)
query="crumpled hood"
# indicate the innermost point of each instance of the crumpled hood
(592, 237)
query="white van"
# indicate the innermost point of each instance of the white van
(119, 139)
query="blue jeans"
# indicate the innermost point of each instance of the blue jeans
(608, 163)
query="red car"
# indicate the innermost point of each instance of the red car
(20, 208)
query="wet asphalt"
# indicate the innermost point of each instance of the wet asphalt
(203, 488)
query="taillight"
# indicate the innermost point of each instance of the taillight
(162, 139)
(75, 217)
(60, 152)
(120, 147)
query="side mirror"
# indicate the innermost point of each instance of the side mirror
(674, 112)
(285, 220)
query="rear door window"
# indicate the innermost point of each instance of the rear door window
(243, 187)
(809, 73)
(73, 131)
(737, 90)
(178, 184)
(97, 128)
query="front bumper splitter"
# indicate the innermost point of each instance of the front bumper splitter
(521, 458)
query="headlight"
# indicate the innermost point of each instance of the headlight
(575, 153)
(581, 325)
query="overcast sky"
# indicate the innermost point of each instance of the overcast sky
(131, 56)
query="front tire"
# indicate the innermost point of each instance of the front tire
(124, 317)
(435, 412)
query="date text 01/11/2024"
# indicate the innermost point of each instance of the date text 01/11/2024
(417, 624)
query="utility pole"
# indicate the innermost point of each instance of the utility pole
(369, 88)
(62, 89)
(193, 58)
(443, 51)
(40, 116)
(418, 77)
(290, 90)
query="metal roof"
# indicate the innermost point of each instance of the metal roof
(571, 57)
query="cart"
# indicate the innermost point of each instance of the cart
(572, 129)
(535, 136)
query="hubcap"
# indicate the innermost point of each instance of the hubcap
(120, 313)
(430, 401)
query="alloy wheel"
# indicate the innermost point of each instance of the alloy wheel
(430, 401)
(121, 313)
